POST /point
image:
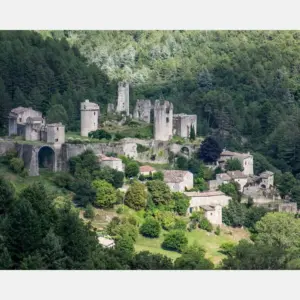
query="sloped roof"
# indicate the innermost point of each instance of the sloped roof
(103, 157)
(224, 176)
(208, 207)
(266, 174)
(236, 154)
(19, 109)
(236, 174)
(204, 194)
(146, 169)
(175, 176)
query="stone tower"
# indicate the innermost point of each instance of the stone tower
(163, 121)
(90, 113)
(142, 110)
(123, 98)
(183, 124)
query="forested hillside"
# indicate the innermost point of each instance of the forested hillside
(43, 73)
(243, 85)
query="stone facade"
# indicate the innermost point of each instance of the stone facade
(290, 207)
(179, 181)
(246, 160)
(211, 198)
(123, 98)
(110, 108)
(183, 123)
(111, 162)
(31, 125)
(213, 213)
(225, 178)
(142, 110)
(90, 113)
(267, 179)
(163, 121)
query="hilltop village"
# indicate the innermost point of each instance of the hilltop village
(54, 152)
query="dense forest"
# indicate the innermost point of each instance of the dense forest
(243, 85)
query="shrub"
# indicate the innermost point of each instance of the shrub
(10, 154)
(205, 225)
(160, 192)
(140, 148)
(100, 134)
(106, 195)
(16, 165)
(150, 228)
(89, 212)
(218, 230)
(132, 169)
(158, 176)
(182, 203)
(63, 179)
(180, 224)
(136, 196)
(120, 210)
(176, 240)
(167, 220)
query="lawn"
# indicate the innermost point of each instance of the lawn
(210, 242)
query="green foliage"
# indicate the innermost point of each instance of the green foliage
(231, 189)
(158, 176)
(210, 150)
(192, 134)
(182, 163)
(16, 165)
(166, 218)
(160, 192)
(205, 225)
(285, 183)
(136, 196)
(146, 260)
(106, 195)
(180, 224)
(132, 169)
(84, 193)
(150, 228)
(182, 203)
(218, 230)
(7, 195)
(233, 165)
(89, 212)
(63, 179)
(114, 177)
(10, 154)
(140, 148)
(56, 114)
(175, 240)
(193, 258)
(234, 214)
(100, 134)
(253, 215)
(200, 184)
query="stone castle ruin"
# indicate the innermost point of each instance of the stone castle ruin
(31, 125)
(123, 98)
(183, 123)
(163, 120)
(143, 110)
(90, 113)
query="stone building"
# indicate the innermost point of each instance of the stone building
(143, 110)
(246, 160)
(90, 113)
(163, 121)
(147, 170)
(110, 108)
(111, 162)
(213, 213)
(123, 98)
(179, 181)
(267, 179)
(289, 207)
(31, 125)
(106, 242)
(182, 124)
(210, 198)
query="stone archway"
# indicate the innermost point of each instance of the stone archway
(46, 158)
(185, 150)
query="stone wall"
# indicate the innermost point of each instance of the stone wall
(142, 110)
(89, 115)
(163, 121)
(123, 98)
(6, 146)
(183, 123)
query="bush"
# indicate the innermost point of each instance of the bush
(180, 224)
(176, 240)
(140, 148)
(167, 219)
(158, 176)
(106, 195)
(182, 203)
(16, 165)
(89, 212)
(100, 134)
(132, 169)
(10, 154)
(160, 192)
(205, 225)
(218, 230)
(120, 210)
(136, 196)
(150, 228)
(63, 179)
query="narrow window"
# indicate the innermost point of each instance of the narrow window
(94, 113)
(56, 140)
(167, 120)
(20, 119)
(57, 128)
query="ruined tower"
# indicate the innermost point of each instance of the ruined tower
(123, 98)
(90, 113)
(183, 124)
(142, 110)
(163, 121)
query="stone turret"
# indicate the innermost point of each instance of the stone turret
(183, 123)
(163, 121)
(142, 110)
(90, 113)
(123, 98)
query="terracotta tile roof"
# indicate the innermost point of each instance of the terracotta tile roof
(236, 174)
(146, 169)
(204, 194)
(175, 176)
(103, 157)
(237, 154)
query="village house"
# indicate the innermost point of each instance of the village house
(246, 160)
(225, 178)
(178, 180)
(147, 170)
(111, 162)
(213, 213)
